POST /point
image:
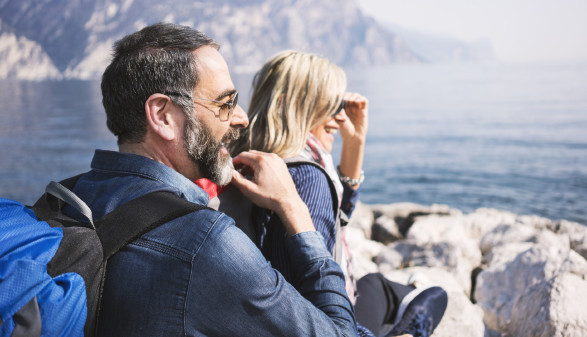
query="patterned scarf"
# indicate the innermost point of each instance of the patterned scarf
(315, 151)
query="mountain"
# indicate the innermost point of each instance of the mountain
(441, 49)
(73, 38)
(22, 58)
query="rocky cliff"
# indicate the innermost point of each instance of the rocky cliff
(23, 58)
(73, 38)
(505, 274)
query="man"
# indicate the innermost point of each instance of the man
(171, 102)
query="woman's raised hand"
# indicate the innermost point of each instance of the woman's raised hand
(353, 129)
(353, 120)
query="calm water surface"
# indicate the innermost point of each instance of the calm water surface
(469, 136)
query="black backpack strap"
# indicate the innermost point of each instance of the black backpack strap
(339, 216)
(135, 218)
(127, 222)
(299, 160)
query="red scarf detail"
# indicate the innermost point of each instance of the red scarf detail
(209, 187)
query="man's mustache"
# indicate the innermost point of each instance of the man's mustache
(230, 135)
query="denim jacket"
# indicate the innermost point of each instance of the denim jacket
(199, 275)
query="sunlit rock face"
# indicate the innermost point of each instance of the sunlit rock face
(73, 39)
(23, 58)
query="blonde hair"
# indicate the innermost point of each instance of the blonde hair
(292, 93)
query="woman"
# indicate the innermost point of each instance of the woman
(297, 106)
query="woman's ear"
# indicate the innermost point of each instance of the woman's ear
(162, 116)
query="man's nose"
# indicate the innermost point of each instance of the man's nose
(239, 118)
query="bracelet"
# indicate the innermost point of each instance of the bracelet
(349, 181)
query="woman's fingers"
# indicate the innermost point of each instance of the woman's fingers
(355, 120)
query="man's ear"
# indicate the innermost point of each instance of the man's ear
(162, 116)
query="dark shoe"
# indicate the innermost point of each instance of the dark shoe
(420, 312)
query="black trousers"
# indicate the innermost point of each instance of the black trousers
(377, 302)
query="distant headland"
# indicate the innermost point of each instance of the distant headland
(73, 39)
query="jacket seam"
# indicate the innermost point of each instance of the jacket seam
(191, 267)
(162, 248)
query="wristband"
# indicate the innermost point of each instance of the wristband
(349, 181)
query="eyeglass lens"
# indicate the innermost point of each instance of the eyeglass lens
(231, 105)
(340, 107)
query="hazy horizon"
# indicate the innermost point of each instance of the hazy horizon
(519, 30)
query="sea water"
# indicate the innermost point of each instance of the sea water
(511, 137)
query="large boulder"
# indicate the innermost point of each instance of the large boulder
(508, 276)
(454, 232)
(551, 308)
(444, 255)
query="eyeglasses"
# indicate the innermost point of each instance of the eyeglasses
(340, 107)
(226, 108)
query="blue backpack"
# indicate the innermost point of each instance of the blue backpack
(52, 267)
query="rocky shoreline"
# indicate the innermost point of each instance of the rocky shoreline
(505, 274)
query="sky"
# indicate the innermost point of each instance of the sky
(520, 30)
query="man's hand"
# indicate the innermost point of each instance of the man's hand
(271, 187)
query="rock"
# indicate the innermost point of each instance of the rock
(504, 234)
(483, 220)
(405, 254)
(499, 285)
(550, 239)
(580, 247)
(453, 230)
(405, 214)
(554, 307)
(537, 222)
(23, 58)
(576, 232)
(250, 31)
(506, 253)
(364, 252)
(362, 218)
(385, 230)
(442, 255)
(577, 235)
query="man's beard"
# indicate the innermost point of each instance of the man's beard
(204, 150)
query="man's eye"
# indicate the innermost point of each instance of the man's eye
(225, 106)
